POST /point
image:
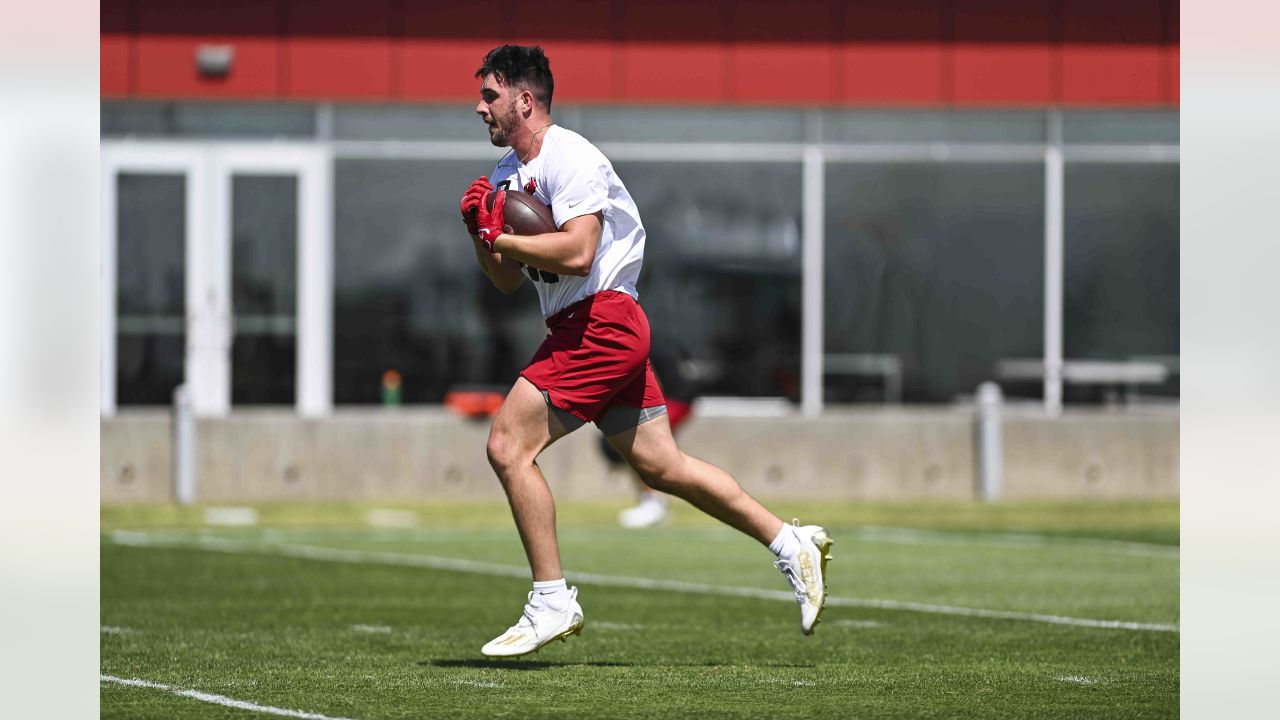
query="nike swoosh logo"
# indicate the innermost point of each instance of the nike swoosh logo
(574, 203)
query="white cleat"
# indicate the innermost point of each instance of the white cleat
(650, 511)
(806, 571)
(538, 626)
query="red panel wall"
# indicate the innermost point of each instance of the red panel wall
(578, 38)
(892, 52)
(1172, 70)
(1002, 53)
(783, 52)
(852, 52)
(115, 49)
(662, 61)
(1112, 53)
(442, 47)
(170, 32)
(114, 65)
(338, 49)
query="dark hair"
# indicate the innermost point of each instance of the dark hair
(522, 66)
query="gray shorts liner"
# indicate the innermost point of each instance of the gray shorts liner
(615, 420)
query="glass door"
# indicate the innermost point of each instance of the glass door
(217, 274)
(264, 289)
(154, 225)
(274, 229)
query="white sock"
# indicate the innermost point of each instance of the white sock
(653, 498)
(551, 593)
(786, 543)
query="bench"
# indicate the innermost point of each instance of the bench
(1129, 374)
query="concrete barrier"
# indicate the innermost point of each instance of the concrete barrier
(135, 458)
(1091, 454)
(415, 454)
(879, 454)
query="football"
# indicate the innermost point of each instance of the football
(524, 214)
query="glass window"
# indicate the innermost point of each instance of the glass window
(409, 294)
(195, 119)
(150, 287)
(264, 288)
(457, 121)
(906, 126)
(932, 273)
(1122, 263)
(721, 277)
(134, 118)
(1120, 126)
(621, 123)
(243, 120)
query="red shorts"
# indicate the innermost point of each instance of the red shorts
(595, 357)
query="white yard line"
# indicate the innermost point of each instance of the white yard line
(232, 516)
(313, 552)
(217, 699)
(911, 536)
(606, 625)
(858, 623)
(391, 518)
(866, 533)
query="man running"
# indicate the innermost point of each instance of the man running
(593, 366)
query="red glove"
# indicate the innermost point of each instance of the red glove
(491, 222)
(471, 199)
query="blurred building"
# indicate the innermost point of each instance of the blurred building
(859, 201)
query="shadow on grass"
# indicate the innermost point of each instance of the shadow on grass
(545, 664)
(517, 664)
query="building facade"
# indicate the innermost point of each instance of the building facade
(846, 202)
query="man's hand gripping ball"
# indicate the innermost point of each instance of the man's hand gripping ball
(490, 220)
(472, 199)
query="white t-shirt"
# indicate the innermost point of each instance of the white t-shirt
(575, 178)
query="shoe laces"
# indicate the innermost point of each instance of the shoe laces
(793, 577)
(528, 618)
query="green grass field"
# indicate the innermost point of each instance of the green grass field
(937, 611)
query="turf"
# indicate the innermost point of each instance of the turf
(228, 611)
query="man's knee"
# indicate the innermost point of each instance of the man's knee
(664, 474)
(503, 450)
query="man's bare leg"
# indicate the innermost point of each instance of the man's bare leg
(523, 428)
(802, 552)
(652, 452)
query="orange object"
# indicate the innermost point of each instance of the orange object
(474, 403)
(391, 379)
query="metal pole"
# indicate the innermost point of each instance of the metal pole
(990, 444)
(1053, 262)
(811, 343)
(315, 287)
(184, 447)
(107, 288)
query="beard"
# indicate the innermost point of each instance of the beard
(502, 127)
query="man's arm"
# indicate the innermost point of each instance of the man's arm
(503, 272)
(571, 251)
